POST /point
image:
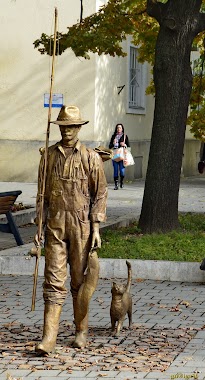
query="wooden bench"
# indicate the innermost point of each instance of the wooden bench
(7, 200)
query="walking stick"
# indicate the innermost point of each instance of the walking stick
(37, 250)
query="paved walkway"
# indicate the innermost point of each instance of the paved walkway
(167, 337)
(167, 340)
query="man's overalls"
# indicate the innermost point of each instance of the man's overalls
(76, 193)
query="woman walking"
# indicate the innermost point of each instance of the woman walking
(119, 139)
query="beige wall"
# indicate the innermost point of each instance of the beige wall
(191, 157)
(25, 77)
(25, 74)
(111, 108)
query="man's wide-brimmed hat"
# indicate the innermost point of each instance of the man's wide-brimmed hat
(69, 115)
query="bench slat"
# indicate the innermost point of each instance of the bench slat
(7, 199)
(6, 203)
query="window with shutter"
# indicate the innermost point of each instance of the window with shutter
(136, 78)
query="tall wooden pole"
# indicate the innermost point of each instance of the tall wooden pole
(40, 219)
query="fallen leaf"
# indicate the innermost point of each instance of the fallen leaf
(100, 300)
(186, 303)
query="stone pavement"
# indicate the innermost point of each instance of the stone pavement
(167, 340)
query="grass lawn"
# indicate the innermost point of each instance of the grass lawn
(185, 244)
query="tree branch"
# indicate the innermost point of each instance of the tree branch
(154, 9)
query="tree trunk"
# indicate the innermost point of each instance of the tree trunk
(173, 83)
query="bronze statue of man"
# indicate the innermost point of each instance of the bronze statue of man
(74, 205)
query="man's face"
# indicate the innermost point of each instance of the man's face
(69, 132)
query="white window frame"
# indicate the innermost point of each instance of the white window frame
(136, 97)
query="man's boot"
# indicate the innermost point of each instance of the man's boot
(50, 330)
(116, 183)
(121, 181)
(81, 333)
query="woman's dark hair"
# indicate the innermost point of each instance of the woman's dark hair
(117, 126)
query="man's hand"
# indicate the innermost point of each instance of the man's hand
(96, 240)
(35, 251)
(38, 241)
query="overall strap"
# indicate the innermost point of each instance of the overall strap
(52, 153)
(84, 152)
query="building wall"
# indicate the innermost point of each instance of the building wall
(111, 108)
(191, 157)
(25, 77)
(92, 85)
